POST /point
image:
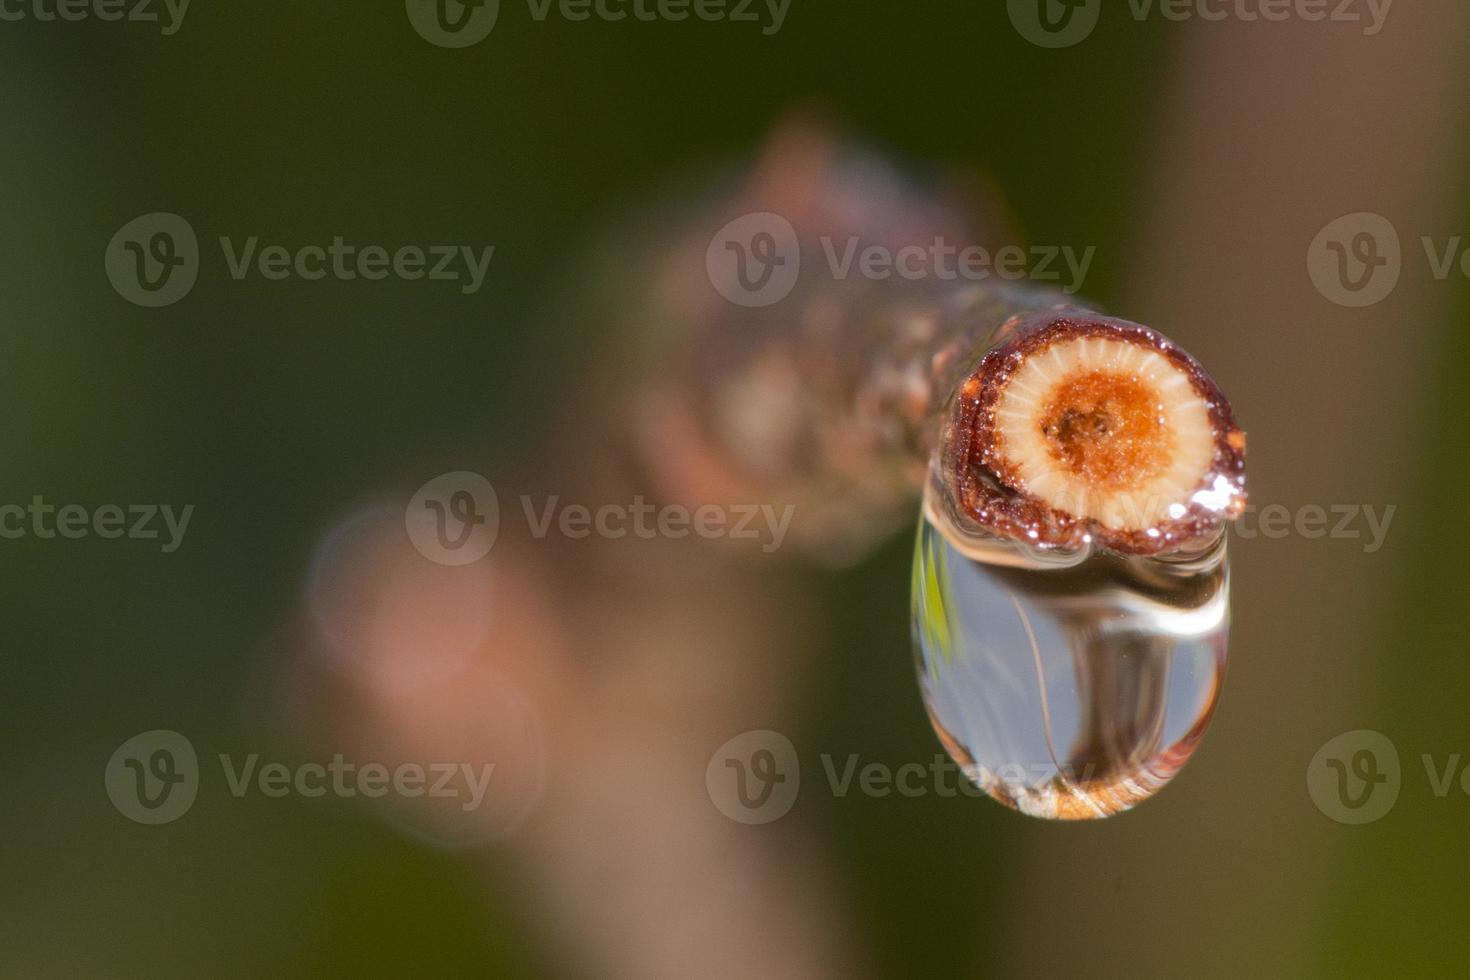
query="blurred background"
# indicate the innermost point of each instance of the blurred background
(1201, 157)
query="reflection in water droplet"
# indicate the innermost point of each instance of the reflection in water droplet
(1067, 691)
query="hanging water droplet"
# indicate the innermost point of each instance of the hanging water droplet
(1070, 690)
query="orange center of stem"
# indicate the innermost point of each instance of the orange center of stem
(1107, 429)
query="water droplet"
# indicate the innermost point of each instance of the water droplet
(1071, 690)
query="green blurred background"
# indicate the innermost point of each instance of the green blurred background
(274, 407)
